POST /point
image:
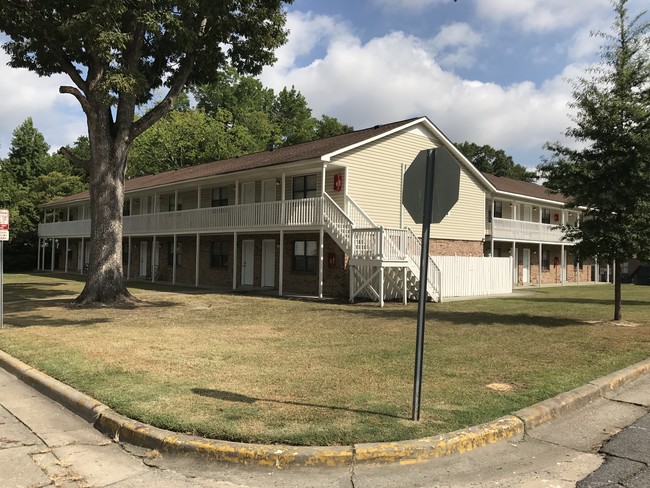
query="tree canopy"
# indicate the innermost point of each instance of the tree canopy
(494, 161)
(607, 170)
(118, 55)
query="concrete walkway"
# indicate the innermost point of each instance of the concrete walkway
(42, 444)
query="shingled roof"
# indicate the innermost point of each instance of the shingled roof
(299, 152)
(523, 188)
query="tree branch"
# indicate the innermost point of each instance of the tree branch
(179, 81)
(82, 163)
(75, 92)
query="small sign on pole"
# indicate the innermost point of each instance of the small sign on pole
(4, 236)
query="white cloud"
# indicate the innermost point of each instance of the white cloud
(25, 94)
(540, 15)
(396, 76)
(409, 5)
(456, 44)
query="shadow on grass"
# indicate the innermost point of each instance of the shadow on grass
(469, 318)
(239, 398)
(40, 321)
(583, 301)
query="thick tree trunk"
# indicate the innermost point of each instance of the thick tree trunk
(617, 290)
(105, 281)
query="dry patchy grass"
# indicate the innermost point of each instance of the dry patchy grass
(276, 370)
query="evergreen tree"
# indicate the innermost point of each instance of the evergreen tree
(608, 174)
(28, 152)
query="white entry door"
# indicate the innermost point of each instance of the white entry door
(268, 190)
(268, 262)
(248, 192)
(144, 258)
(247, 262)
(528, 213)
(525, 272)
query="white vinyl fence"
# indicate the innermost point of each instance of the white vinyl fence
(474, 276)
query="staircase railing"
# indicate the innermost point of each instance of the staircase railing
(356, 213)
(339, 223)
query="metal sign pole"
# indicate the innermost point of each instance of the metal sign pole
(424, 268)
(2, 288)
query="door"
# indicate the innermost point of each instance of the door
(525, 272)
(143, 258)
(247, 262)
(248, 192)
(268, 190)
(268, 262)
(528, 213)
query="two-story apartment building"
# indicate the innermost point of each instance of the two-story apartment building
(322, 218)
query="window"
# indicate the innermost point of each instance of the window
(220, 197)
(219, 254)
(498, 209)
(173, 206)
(305, 256)
(546, 260)
(170, 254)
(304, 186)
(546, 216)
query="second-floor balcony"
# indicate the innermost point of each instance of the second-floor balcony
(258, 216)
(520, 230)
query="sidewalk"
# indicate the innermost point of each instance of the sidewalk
(42, 444)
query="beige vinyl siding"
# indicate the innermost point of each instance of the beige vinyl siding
(337, 196)
(375, 183)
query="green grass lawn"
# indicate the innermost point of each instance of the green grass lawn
(275, 370)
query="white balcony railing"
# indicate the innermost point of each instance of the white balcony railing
(519, 230)
(288, 213)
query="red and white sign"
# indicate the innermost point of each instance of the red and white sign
(4, 225)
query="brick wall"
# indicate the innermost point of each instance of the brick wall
(441, 247)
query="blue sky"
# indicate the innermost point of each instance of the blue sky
(487, 71)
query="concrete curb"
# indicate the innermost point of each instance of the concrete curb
(511, 427)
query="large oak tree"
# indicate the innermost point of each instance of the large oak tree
(118, 55)
(608, 173)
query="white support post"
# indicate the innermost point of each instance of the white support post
(174, 258)
(492, 247)
(596, 270)
(129, 257)
(198, 198)
(283, 216)
(405, 285)
(234, 257)
(563, 262)
(53, 251)
(607, 272)
(515, 264)
(236, 192)
(154, 249)
(281, 258)
(323, 177)
(175, 200)
(381, 286)
(539, 279)
(198, 252)
(320, 262)
(67, 247)
(83, 255)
